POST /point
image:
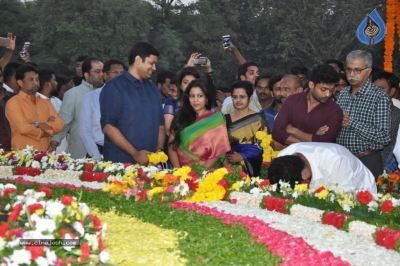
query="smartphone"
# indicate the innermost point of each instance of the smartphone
(226, 39)
(25, 48)
(200, 61)
(5, 42)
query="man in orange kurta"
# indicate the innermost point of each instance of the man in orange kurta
(32, 119)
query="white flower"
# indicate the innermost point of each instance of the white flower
(84, 208)
(92, 241)
(78, 227)
(41, 261)
(104, 230)
(332, 198)
(21, 256)
(44, 165)
(39, 195)
(51, 257)
(68, 248)
(104, 256)
(9, 186)
(372, 205)
(13, 243)
(295, 195)
(36, 164)
(44, 159)
(255, 190)
(54, 208)
(32, 234)
(8, 206)
(274, 187)
(29, 192)
(346, 207)
(2, 244)
(182, 188)
(43, 225)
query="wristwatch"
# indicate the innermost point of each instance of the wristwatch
(37, 124)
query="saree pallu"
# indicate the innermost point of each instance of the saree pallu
(242, 138)
(206, 138)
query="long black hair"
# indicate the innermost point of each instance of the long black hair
(187, 71)
(185, 116)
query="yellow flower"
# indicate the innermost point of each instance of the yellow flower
(268, 138)
(247, 181)
(182, 171)
(155, 191)
(78, 216)
(267, 157)
(158, 175)
(163, 157)
(323, 194)
(260, 135)
(236, 186)
(67, 220)
(39, 211)
(275, 154)
(74, 205)
(301, 188)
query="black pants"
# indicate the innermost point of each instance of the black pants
(374, 163)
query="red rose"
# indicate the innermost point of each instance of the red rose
(305, 182)
(318, 190)
(193, 186)
(364, 197)
(126, 165)
(61, 158)
(67, 200)
(101, 245)
(193, 175)
(96, 222)
(85, 249)
(8, 191)
(14, 214)
(13, 232)
(46, 190)
(387, 206)
(38, 157)
(243, 175)
(230, 170)
(142, 195)
(3, 229)
(33, 207)
(140, 171)
(264, 183)
(89, 167)
(36, 251)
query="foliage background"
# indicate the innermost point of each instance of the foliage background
(275, 34)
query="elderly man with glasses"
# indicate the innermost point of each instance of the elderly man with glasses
(366, 113)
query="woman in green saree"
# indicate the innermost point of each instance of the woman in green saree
(197, 133)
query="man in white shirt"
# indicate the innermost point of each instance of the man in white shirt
(90, 129)
(326, 164)
(48, 86)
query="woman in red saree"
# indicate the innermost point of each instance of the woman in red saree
(197, 133)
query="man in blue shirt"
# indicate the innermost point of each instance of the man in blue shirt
(271, 111)
(131, 110)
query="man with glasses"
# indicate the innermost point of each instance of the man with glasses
(366, 113)
(310, 116)
(90, 129)
(92, 70)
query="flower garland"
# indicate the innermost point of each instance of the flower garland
(390, 31)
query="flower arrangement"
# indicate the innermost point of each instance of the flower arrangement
(268, 153)
(391, 10)
(389, 183)
(42, 231)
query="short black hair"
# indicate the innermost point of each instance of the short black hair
(20, 73)
(274, 79)
(112, 61)
(81, 58)
(142, 49)
(87, 65)
(77, 80)
(223, 89)
(44, 76)
(335, 61)
(9, 71)
(286, 168)
(165, 74)
(61, 81)
(243, 84)
(391, 78)
(297, 79)
(324, 74)
(264, 76)
(299, 70)
(243, 68)
(344, 77)
(174, 81)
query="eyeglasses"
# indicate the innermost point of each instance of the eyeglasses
(340, 85)
(97, 71)
(348, 70)
(116, 72)
(235, 97)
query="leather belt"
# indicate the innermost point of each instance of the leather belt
(365, 153)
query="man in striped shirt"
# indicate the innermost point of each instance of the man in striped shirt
(366, 113)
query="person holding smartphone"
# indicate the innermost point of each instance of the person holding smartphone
(9, 43)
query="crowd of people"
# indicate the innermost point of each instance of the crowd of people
(337, 124)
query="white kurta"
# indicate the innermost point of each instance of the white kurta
(333, 165)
